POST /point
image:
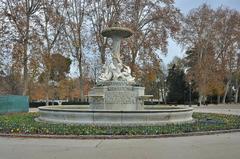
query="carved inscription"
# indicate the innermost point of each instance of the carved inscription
(120, 97)
(115, 88)
(96, 100)
(112, 83)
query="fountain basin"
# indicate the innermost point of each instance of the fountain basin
(117, 31)
(85, 116)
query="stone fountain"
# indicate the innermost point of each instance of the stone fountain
(115, 88)
(115, 100)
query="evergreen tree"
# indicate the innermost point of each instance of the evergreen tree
(177, 87)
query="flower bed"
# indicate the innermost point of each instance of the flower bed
(24, 123)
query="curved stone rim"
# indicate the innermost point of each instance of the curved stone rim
(114, 117)
(85, 109)
(117, 31)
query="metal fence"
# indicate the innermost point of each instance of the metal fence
(13, 103)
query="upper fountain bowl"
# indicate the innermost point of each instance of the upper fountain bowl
(117, 31)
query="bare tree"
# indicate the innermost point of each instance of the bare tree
(103, 14)
(75, 30)
(20, 13)
(212, 36)
(153, 22)
(197, 36)
(237, 79)
(226, 38)
(51, 27)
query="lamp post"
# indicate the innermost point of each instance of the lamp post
(158, 89)
(95, 75)
(190, 94)
(190, 89)
(165, 90)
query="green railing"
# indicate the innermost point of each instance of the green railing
(13, 103)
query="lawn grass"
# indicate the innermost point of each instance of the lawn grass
(24, 123)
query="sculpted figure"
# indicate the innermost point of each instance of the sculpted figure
(106, 75)
(116, 71)
(127, 74)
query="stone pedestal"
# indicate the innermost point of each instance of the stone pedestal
(117, 95)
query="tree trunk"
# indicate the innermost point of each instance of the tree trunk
(48, 65)
(165, 92)
(236, 94)
(200, 99)
(47, 91)
(25, 75)
(162, 95)
(226, 91)
(81, 82)
(47, 98)
(218, 99)
(204, 99)
(25, 60)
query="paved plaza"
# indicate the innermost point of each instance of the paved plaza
(220, 108)
(223, 146)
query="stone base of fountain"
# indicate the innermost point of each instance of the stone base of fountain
(116, 103)
(117, 95)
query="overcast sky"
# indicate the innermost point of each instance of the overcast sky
(185, 6)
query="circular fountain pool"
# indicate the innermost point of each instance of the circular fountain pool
(85, 116)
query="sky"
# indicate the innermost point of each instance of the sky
(185, 6)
